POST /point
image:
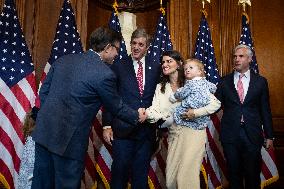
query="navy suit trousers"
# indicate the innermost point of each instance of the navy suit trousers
(243, 160)
(134, 156)
(67, 175)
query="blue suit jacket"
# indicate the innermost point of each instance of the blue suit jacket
(255, 109)
(75, 88)
(128, 89)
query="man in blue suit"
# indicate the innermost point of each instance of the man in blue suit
(132, 147)
(75, 88)
(246, 114)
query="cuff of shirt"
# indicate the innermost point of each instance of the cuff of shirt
(106, 127)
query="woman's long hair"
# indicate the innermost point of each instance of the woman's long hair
(165, 78)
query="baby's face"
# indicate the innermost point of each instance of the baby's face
(191, 70)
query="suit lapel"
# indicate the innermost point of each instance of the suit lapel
(148, 73)
(233, 89)
(131, 76)
(250, 87)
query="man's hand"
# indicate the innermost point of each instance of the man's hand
(108, 135)
(142, 115)
(188, 115)
(269, 144)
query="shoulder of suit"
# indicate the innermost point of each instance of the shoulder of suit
(226, 77)
(260, 77)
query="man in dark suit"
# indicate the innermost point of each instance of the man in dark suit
(75, 88)
(132, 147)
(246, 114)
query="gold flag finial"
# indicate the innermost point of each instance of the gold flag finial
(162, 9)
(244, 2)
(114, 6)
(203, 3)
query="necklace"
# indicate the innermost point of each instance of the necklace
(174, 86)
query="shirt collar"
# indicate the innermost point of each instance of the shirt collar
(197, 78)
(141, 60)
(246, 74)
(96, 53)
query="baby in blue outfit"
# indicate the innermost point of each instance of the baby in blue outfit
(194, 94)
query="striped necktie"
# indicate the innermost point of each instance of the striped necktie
(139, 77)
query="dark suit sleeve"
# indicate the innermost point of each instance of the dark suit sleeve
(107, 116)
(112, 101)
(266, 111)
(219, 93)
(44, 89)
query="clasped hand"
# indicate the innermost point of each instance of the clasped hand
(142, 115)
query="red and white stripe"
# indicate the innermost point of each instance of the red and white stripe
(15, 103)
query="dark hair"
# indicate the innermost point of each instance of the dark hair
(29, 123)
(165, 78)
(141, 32)
(102, 36)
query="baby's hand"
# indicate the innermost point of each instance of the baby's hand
(172, 98)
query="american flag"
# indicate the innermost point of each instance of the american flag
(269, 172)
(246, 39)
(161, 42)
(213, 165)
(67, 41)
(115, 25)
(17, 93)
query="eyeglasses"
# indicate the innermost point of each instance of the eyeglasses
(117, 48)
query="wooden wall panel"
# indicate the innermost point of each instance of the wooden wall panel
(268, 34)
(39, 19)
(180, 26)
(96, 17)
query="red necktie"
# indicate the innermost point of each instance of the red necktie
(139, 77)
(240, 88)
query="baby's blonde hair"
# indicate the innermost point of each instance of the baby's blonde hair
(198, 63)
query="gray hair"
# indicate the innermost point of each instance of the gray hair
(141, 32)
(249, 51)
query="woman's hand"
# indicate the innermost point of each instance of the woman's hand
(188, 115)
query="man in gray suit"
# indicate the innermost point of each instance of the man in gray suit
(75, 88)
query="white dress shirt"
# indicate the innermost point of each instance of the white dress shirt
(245, 81)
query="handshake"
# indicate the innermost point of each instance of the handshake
(142, 115)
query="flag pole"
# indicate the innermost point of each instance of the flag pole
(243, 3)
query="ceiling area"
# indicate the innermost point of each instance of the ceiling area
(132, 5)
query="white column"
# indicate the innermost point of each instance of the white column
(128, 25)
